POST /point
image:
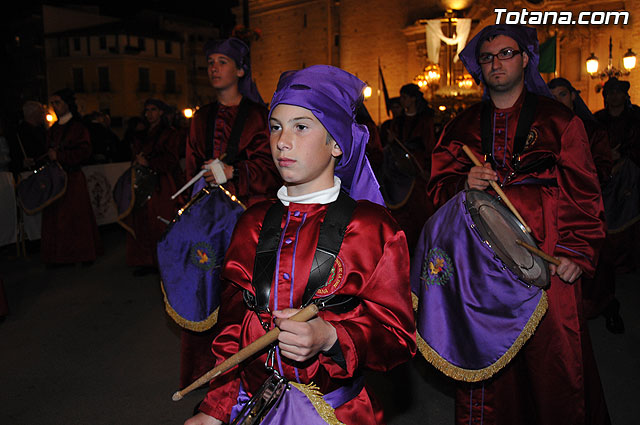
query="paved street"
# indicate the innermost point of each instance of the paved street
(93, 346)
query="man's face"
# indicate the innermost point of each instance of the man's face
(59, 106)
(153, 114)
(304, 155)
(507, 74)
(408, 102)
(222, 71)
(564, 96)
(616, 97)
(396, 110)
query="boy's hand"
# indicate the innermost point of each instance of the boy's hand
(301, 341)
(202, 419)
(479, 177)
(567, 270)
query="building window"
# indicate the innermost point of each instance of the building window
(167, 47)
(170, 83)
(143, 79)
(63, 47)
(103, 42)
(78, 80)
(103, 79)
(76, 44)
(141, 43)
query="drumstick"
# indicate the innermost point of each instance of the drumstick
(189, 183)
(539, 252)
(497, 188)
(265, 340)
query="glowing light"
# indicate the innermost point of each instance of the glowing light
(367, 92)
(442, 108)
(629, 60)
(592, 64)
(188, 112)
(50, 118)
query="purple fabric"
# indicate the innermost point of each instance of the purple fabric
(472, 309)
(190, 255)
(46, 183)
(332, 95)
(122, 191)
(237, 50)
(527, 39)
(294, 407)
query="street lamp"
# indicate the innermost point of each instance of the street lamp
(628, 60)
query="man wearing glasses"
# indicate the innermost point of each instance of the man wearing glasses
(538, 151)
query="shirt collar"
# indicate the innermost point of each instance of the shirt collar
(325, 196)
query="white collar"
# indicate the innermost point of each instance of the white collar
(65, 118)
(325, 196)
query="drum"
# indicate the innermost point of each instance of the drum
(190, 255)
(480, 294)
(132, 190)
(46, 185)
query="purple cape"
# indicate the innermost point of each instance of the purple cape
(332, 95)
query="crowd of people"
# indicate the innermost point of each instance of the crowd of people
(335, 210)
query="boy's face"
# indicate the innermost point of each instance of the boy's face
(222, 71)
(59, 106)
(153, 114)
(564, 96)
(301, 149)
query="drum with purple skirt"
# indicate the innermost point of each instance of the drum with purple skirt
(46, 185)
(480, 294)
(190, 255)
(132, 190)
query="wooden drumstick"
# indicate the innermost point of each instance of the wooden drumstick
(265, 340)
(539, 252)
(497, 188)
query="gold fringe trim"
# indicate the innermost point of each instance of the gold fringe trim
(128, 210)
(50, 201)
(468, 375)
(201, 326)
(416, 301)
(405, 200)
(316, 398)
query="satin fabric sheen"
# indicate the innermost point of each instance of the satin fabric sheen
(378, 334)
(69, 229)
(555, 369)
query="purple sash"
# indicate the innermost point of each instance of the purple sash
(474, 314)
(301, 403)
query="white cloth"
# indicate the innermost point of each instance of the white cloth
(217, 168)
(65, 118)
(325, 196)
(434, 36)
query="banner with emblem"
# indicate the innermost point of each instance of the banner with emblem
(190, 255)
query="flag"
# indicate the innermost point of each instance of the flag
(548, 55)
(384, 89)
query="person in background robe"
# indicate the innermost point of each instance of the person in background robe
(69, 229)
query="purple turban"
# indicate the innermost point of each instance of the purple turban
(237, 50)
(332, 95)
(527, 39)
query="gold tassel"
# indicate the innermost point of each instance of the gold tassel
(316, 398)
(201, 326)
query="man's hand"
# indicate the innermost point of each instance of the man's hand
(567, 270)
(202, 419)
(301, 341)
(479, 177)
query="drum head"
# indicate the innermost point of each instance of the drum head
(500, 229)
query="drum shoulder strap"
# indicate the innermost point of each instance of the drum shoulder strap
(332, 232)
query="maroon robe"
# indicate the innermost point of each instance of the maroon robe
(69, 229)
(372, 265)
(257, 179)
(554, 379)
(160, 147)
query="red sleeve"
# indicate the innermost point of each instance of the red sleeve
(165, 157)
(194, 151)
(76, 148)
(581, 228)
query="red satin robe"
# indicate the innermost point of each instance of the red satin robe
(378, 334)
(69, 229)
(160, 147)
(554, 379)
(257, 179)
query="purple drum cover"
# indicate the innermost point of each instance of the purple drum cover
(40, 189)
(474, 314)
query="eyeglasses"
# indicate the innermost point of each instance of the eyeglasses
(502, 55)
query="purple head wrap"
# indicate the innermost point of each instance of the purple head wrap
(527, 40)
(579, 107)
(332, 95)
(237, 50)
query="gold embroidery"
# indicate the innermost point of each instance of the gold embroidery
(323, 408)
(201, 326)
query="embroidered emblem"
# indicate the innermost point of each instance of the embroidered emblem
(203, 256)
(532, 137)
(334, 281)
(437, 268)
